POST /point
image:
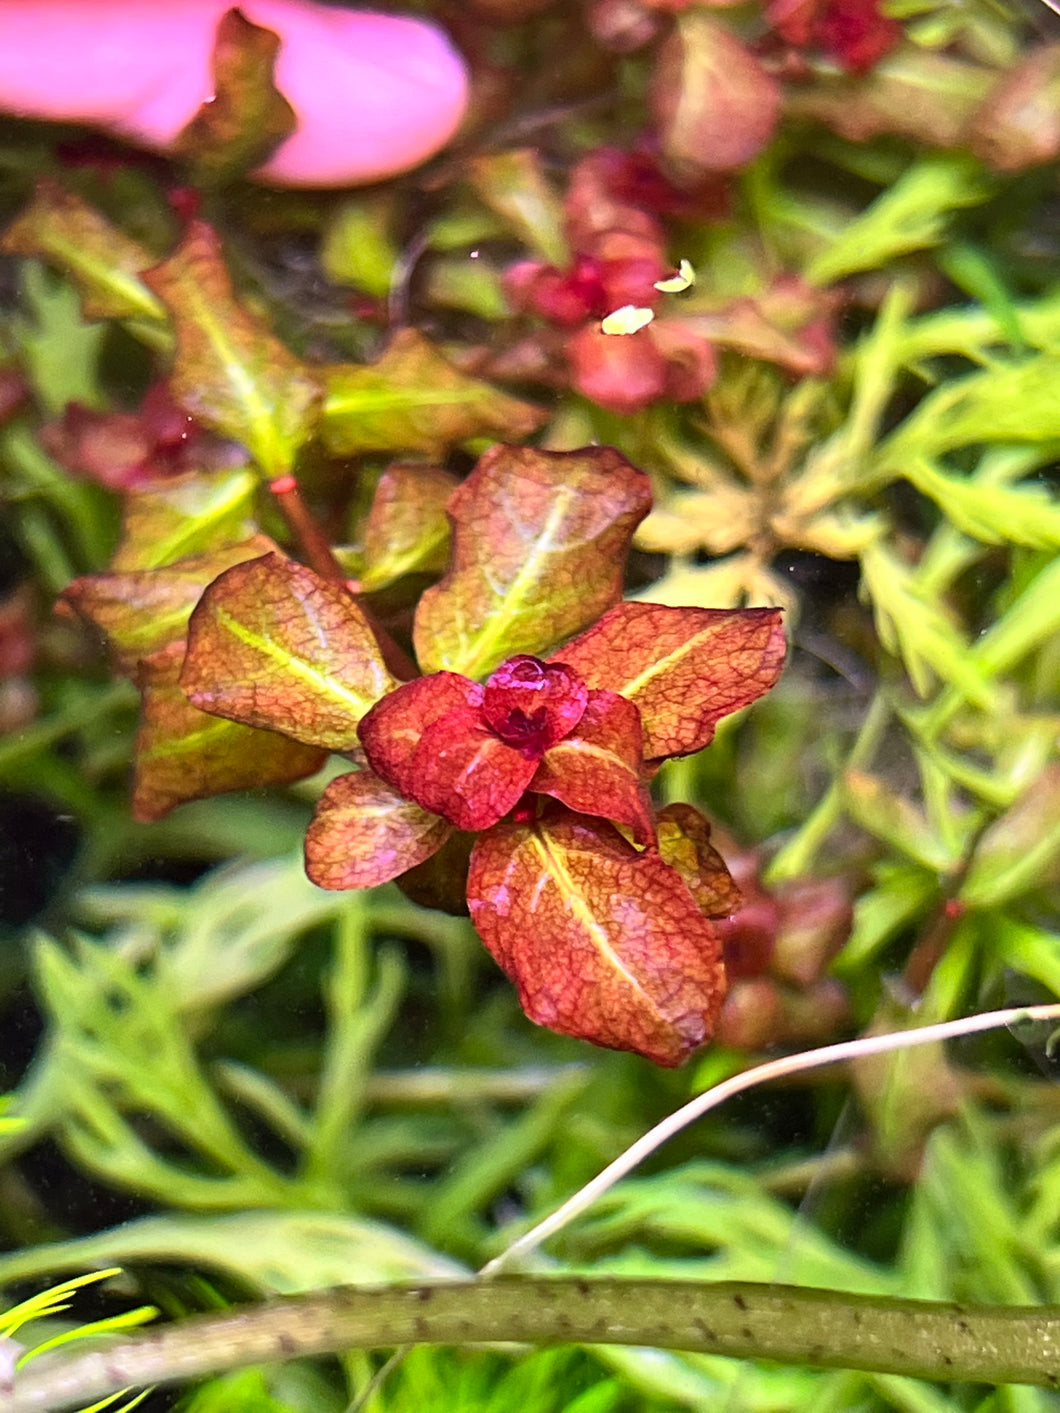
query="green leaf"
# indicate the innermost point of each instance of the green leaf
(895, 821)
(185, 515)
(910, 215)
(901, 892)
(1034, 951)
(539, 547)
(414, 399)
(245, 118)
(995, 514)
(1031, 620)
(271, 644)
(230, 372)
(914, 626)
(104, 263)
(143, 610)
(513, 185)
(356, 248)
(272, 1252)
(1020, 851)
(1005, 402)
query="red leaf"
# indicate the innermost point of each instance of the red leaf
(684, 843)
(539, 547)
(715, 107)
(684, 668)
(531, 704)
(465, 773)
(603, 942)
(183, 754)
(597, 768)
(391, 731)
(363, 834)
(272, 644)
(622, 372)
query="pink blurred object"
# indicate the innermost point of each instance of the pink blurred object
(374, 94)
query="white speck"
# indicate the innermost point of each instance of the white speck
(627, 320)
(684, 279)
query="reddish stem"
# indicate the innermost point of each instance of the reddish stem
(314, 543)
(317, 550)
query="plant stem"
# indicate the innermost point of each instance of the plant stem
(306, 532)
(820, 1328)
(316, 547)
(795, 858)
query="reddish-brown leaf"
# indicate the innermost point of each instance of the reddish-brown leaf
(684, 843)
(414, 399)
(182, 754)
(684, 668)
(272, 644)
(715, 106)
(406, 530)
(245, 117)
(539, 548)
(465, 773)
(186, 515)
(597, 768)
(142, 611)
(230, 371)
(363, 833)
(532, 704)
(603, 942)
(391, 731)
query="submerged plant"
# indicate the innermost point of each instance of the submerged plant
(596, 908)
(438, 527)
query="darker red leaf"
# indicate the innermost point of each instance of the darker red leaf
(391, 731)
(622, 372)
(603, 942)
(465, 773)
(531, 704)
(363, 834)
(597, 768)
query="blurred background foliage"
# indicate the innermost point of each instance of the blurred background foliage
(230, 1083)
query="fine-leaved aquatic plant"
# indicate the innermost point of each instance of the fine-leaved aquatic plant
(51, 1303)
